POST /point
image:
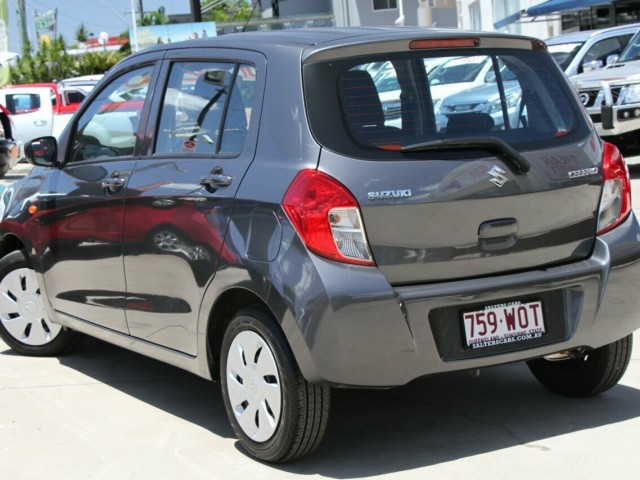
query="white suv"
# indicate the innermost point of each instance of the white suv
(611, 96)
(579, 52)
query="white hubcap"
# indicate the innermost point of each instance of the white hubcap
(22, 312)
(254, 387)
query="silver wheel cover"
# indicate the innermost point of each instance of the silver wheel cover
(22, 311)
(253, 384)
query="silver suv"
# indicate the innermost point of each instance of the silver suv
(587, 50)
(240, 208)
(611, 96)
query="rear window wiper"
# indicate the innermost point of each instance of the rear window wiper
(517, 161)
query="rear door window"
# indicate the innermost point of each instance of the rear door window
(206, 108)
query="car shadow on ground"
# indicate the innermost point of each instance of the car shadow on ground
(374, 432)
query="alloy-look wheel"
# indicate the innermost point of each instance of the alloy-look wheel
(24, 324)
(276, 414)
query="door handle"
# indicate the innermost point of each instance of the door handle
(216, 179)
(113, 184)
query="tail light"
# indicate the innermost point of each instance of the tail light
(615, 203)
(327, 218)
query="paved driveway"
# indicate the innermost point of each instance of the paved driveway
(105, 413)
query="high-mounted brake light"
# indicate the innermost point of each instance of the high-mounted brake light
(539, 45)
(327, 218)
(615, 202)
(444, 43)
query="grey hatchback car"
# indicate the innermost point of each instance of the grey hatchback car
(241, 208)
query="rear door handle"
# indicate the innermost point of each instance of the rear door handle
(216, 179)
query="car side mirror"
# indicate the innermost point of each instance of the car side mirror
(593, 65)
(611, 59)
(42, 152)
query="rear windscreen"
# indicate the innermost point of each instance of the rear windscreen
(384, 103)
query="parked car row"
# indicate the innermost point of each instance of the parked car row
(458, 86)
(600, 63)
(611, 96)
(40, 109)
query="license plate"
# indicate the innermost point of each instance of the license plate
(504, 323)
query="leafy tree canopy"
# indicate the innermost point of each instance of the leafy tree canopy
(223, 12)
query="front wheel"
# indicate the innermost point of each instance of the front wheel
(24, 324)
(275, 413)
(587, 373)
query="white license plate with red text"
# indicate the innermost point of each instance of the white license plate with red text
(504, 323)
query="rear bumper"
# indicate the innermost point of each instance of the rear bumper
(348, 326)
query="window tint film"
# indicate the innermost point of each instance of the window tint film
(515, 95)
(108, 127)
(194, 107)
(239, 111)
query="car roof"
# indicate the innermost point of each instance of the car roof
(576, 37)
(311, 40)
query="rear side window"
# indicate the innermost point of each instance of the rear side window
(206, 109)
(23, 103)
(516, 95)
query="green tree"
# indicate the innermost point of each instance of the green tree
(238, 11)
(50, 62)
(97, 62)
(82, 34)
(155, 18)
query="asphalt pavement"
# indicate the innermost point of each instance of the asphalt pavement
(101, 412)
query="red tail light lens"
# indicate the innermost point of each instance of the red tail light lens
(327, 218)
(615, 202)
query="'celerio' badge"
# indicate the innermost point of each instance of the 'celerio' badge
(585, 172)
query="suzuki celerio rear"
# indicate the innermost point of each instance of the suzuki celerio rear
(321, 232)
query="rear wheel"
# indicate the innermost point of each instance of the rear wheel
(24, 324)
(586, 373)
(275, 413)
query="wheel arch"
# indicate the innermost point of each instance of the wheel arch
(235, 299)
(225, 308)
(10, 243)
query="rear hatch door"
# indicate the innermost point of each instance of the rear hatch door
(500, 177)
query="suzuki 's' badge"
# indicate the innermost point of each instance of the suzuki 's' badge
(498, 177)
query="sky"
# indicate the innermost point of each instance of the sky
(111, 16)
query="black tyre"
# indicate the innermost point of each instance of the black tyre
(594, 371)
(275, 413)
(24, 324)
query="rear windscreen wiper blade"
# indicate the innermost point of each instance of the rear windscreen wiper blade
(520, 163)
